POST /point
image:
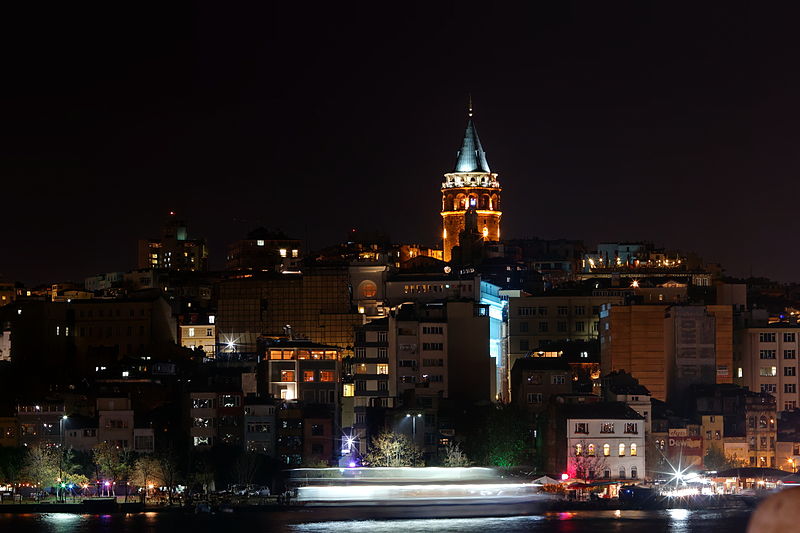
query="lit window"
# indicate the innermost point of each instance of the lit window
(578, 450)
(260, 242)
(383, 369)
(191, 332)
(287, 375)
(348, 390)
(326, 376)
(295, 253)
(606, 450)
(308, 375)
(633, 453)
(211, 319)
(590, 450)
(622, 450)
(283, 252)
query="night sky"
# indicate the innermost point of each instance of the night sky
(675, 123)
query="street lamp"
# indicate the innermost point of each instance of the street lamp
(61, 424)
(414, 426)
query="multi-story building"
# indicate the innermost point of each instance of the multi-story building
(259, 426)
(766, 361)
(9, 431)
(534, 322)
(197, 332)
(263, 250)
(174, 250)
(289, 445)
(5, 343)
(41, 424)
(604, 440)
(304, 370)
(472, 184)
(115, 425)
(668, 348)
(366, 392)
(622, 387)
(316, 305)
(441, 349)
(712, 429)
(216, 416)
(761, 416)
(534, 380)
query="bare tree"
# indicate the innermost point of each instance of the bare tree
(454, 456)
(393, 449)
(246, 467)
(589, 462)
(168, 469)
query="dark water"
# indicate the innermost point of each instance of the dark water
(674, 520)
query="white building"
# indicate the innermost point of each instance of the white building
(603, 441)
(767, 362)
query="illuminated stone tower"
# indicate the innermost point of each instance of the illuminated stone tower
(471, 184)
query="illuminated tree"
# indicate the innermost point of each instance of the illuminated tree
(589, 464)
(393, 449)
(454, 456)
(112, 464)
(146, 472)
(41, 466)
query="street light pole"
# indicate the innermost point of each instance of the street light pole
(414, 426)
(61, 481)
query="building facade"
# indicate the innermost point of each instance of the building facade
(766, 361)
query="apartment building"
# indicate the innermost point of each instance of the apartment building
(766, 361)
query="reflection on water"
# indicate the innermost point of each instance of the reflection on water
(673, 520)
(680, 520)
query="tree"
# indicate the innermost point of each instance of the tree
(12, 463)
(41, 466)
(588, 463)
(112, 464)
(715, 459)
(168, 468)
(454, 456)
(146, 471)
(393, 449)
(246, 466)
(507, 436)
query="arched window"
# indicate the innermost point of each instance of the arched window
(494, 202)
(634, 472)
(368, 289)
(485, 202)
(762, 422)
(590, 450)
(633, 451)
(606, 473)
(578, 449)
(622, 472)
(622, 450)
(606, 449)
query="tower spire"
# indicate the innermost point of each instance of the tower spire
(469, 109)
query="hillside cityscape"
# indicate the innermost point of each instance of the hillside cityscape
(590, 365)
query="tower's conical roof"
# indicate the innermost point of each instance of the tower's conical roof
(471, 157)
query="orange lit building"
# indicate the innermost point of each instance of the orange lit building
(471, 184)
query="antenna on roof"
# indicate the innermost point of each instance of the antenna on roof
(469, 109)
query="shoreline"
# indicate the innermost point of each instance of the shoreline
(103, 507)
